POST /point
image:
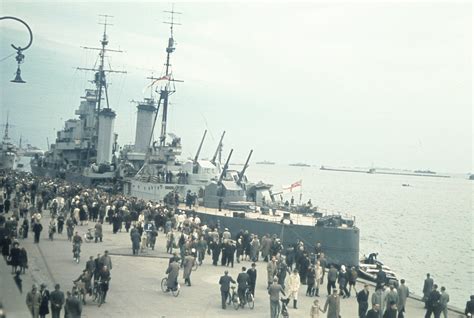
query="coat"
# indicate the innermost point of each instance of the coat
(402, 296)
(444, 300)
(188, 264)
(271, 271)
(225, 281)
(33, 300)
(105, 260)
(274, 291)
(44, 307)
(293, 282)
(57, 299)
(135, 237)
(428, 287)
(377, 298)
(173, 272)
(266, 246)
(73, 307)
(332, 306)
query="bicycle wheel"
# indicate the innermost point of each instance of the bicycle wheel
(250, 299)
(235, 301)
(176, 291)
(164, 284)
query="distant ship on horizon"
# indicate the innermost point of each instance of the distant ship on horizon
(299, 164)
(265, 162)
(424, 171)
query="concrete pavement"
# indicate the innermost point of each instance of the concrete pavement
(135, 286)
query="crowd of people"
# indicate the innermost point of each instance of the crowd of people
(189, 241)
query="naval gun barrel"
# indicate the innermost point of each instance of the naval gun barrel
(242, 173)
(200, 146)
(226, 166)
(219, 146)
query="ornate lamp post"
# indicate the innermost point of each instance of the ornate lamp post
(19, 55)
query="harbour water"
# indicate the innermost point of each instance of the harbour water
(424, 228)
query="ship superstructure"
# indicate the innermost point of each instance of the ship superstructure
(84, 148)
(163, 170)
(8, 152)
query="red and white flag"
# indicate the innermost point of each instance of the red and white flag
(296, 184)
(157, 80)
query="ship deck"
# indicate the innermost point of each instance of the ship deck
(297, 218)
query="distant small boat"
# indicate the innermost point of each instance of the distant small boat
(265, 162)
(405, 185)
(299, 164)
(424, 171)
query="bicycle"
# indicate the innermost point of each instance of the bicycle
(249, 298)
(89, 236)
(79, 288)
(98, 293)
(165, 289)
(234, 298)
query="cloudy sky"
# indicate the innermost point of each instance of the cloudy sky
(339, 83)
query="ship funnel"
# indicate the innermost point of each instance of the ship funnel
(105, 140)
(18, 78)
(144, 125)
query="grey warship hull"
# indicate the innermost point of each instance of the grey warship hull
(70, 176)
(340, 245)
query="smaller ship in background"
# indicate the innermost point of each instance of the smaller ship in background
(424, 171)
(265, 162)
(8, 152)
(299, 164)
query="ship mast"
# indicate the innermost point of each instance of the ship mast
(5, 136)
(167, 90)
(100, 78)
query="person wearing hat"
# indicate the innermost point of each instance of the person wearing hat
(225, 281)
(293, 286)
(44, 306)
(332, 305)
(33, 301)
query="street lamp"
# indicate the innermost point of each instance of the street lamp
(19, 55)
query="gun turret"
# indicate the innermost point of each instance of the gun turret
(242, 173)
(219, 146)
(200, 146)
(226, 166)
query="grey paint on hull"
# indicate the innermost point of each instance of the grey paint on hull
(340, 245)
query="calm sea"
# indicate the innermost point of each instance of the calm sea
(424, 228)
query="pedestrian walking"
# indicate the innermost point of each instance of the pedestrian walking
(37, 228)
(332, 278)
(469, 307)
(293, 286)
(188, 268)
(374, 312)
(403, 293)
(333, 305)
(98, 232)
(33, 301)
(57, 301)
(225, 281)
(44, 306)
(271, 270)
(252, 272)
(444, 300)
(315, 309)
(73, 307)
(391, 311)
(363, 301)
(274, 291)
(427, 288)
(378, 299)
(433, 305)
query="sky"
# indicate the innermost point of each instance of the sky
(335, 83)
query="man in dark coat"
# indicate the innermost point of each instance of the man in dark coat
(374, 312)
(470, 307)
(243, 281)
(173, 273)
(225, 281)
(363, 300)
(37, 228)
(73, 307)
(44, 306)
(252, 272)
(57, 301)
(433, 303)
(427, 288)
(136, 238)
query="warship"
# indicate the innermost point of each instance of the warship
(84, 149)
(225, 198)
(9, 156)
(161, 169)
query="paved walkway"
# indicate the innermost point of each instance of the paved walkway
(135, 285)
